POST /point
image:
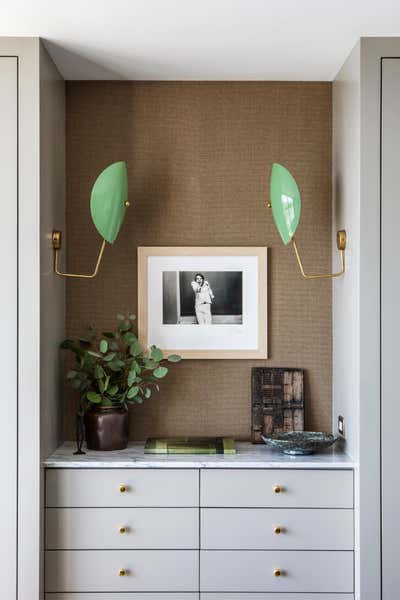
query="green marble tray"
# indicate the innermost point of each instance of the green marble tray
(190, 445)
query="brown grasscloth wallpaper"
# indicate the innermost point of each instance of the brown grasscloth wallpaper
(199, 156)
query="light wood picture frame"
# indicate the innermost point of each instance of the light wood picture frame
(204, 302)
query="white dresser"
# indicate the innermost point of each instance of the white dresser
(254, 526)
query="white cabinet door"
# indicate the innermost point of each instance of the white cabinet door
(390, 302)
(8, 321)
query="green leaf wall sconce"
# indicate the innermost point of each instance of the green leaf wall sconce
(108, 203)
(286, 210)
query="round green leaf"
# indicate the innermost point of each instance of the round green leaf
(150, 364)
(160, 372)
(129, 338)
(133, 391)
(106, 402)
(156, 354)
(135, 349)
(174, 358)
(131, 377)
(99, 372)
(93, 397)
(103, 346)
(125, 325)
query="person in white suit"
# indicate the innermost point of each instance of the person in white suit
(204, 296)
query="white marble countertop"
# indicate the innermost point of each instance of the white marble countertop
(248, 456)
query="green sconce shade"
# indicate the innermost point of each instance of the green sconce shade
(108, 201)
(285, 202)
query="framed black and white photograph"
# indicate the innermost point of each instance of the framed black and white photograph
(204, 302)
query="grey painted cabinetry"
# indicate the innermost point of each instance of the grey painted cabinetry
(199, 533)
(9, 319)
(390, 322)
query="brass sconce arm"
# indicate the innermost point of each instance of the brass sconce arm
(341, 246)
(56, 239)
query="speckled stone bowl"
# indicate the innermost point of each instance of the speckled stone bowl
(300, 442)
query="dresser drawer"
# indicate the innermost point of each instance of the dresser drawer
(121, 487)
(98, 571)
(253, 571)
(121, 528)
(131, 596)
(277, 596)
(276, 529)
(277, 488)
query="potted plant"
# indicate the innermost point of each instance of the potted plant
(113, 370)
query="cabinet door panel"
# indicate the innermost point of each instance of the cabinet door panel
(390, 325)
(8, 317)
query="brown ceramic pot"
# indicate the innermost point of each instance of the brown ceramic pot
(106, 428)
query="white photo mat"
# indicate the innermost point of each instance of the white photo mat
(245, 340)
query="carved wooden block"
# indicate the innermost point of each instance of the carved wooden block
(277, 401)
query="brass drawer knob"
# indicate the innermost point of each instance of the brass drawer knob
(277, 572)
(122, 572)
(122, 488)
(122, 530)
(277, 489)
(277, 529)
